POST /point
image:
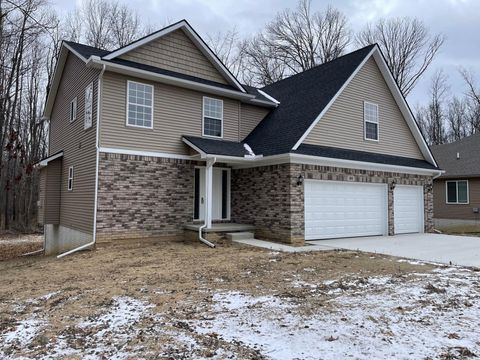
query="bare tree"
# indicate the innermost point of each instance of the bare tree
(473, 100)
(432, 117)
(124, 25)
(408, 46)
(457, 119)
(296, 41)
(230, 49)
(96, 16)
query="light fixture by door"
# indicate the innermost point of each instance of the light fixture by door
(300, 179)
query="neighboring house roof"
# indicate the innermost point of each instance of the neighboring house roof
(468, 163)
(363, 156)
(216, 146)
(302, 98)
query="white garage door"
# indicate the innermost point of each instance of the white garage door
(408, 209)
(344, 209)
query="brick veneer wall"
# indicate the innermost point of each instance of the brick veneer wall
(269, 197)
(143, 197)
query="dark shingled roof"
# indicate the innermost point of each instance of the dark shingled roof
(355, 155)
(469, 163)
(86, 51)
(218, 146)
(302, 98)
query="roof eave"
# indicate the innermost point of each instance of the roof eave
(95, 61)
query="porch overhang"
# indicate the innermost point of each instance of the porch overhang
(44, 162)
(222, 150)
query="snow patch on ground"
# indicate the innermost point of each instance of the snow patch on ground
(23, 333)
(378, 318)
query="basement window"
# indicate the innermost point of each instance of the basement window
(70, 178)
(212, 117)
(370, 118)
(457, 192)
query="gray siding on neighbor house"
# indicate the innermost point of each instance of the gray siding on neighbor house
(442, 210)
(177, 111)
(250, 117)
(78, 145)
(343, 126)
(175, 52)
(53, 186)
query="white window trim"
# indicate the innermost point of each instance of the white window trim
(128, 102)
(70, 177)
(457, 203)
(85, 110)
(203, 118)
(73, 111)
(365, 103)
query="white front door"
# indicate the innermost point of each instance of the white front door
(408, 209)
(220, 194)
(336, 209)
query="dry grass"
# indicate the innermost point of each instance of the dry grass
(13, 244)
(469, 230)
(175, 278)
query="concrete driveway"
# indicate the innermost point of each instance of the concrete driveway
(458, 250)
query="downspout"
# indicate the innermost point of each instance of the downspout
(97, 146)
(208, 165)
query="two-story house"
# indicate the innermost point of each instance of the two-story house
(158, 135)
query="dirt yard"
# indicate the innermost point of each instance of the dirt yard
(13, 244)
(187, 301)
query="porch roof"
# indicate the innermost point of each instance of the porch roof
(45, 161)
(216, 146)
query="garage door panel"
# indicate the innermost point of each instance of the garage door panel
(408, 209)
(344, 209)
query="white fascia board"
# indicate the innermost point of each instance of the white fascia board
(194, 147)
(139, 73)
(326, 108)
(404, 108)
(271, 98)
(263, 103)
(192, 35)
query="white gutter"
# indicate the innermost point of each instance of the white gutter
(97, 151)
(208, 167)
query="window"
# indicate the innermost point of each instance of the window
(88, 105)
(70, 178)
(73, 110)
(139, 105)
(457, 192)
(370, 117)
(212, 117)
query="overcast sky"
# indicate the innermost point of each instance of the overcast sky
(458, 20)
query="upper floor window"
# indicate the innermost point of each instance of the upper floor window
(212, 117)
(88, 105)
(73, 109)
(370, 118)
(139, 105)
(70, 178)
(457, 192)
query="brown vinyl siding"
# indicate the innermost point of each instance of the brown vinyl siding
(175, 52)
(343, 126)
(176, 112)
(53, 192)
(78, 145)
(442, 210)
(42, 181)
(250, 117)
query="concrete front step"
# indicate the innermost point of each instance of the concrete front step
(239, 236)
